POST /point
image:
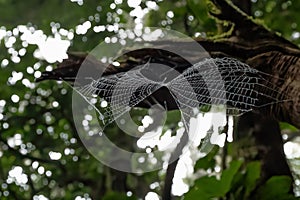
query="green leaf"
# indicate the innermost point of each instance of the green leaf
(209, 187)
(252, 176)
(287, 126)
(208, 161)
(204, 188)
(277, 187)
(228, 175)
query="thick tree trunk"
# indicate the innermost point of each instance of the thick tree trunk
(265, 130)
(262, 50)
(266, 147)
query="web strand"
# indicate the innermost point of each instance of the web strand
(214, 81)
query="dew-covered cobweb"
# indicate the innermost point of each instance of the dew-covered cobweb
(214, 81)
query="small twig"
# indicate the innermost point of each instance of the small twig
(172, 166)
(225, 150)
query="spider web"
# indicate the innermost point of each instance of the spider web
(213, 81)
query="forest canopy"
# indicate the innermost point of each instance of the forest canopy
(42, 155)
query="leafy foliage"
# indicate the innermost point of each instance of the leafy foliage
(35, 119)
(209, 187)
(238, 182)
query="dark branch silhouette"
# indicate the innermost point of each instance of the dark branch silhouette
(262, 49)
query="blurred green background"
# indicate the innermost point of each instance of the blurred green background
(41, 155)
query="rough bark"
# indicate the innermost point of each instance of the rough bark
(266, 133)
(280, 61)
(262, 49)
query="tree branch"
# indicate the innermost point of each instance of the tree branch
(167, 195)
